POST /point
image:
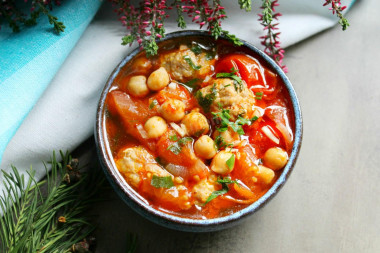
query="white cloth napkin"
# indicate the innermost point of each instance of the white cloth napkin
(64, 116)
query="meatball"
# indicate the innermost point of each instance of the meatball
(136, 161)
(180, 69)
(238, 100)
(203, 189)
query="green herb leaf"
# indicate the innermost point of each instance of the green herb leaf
(231, 162)
(210, 55)
(162, 182)
(176, 148)
(215, 194)
(173, 137)
(227, 180)
(191, 63)
(206, 101)
(184, 140)
(254, 118)
(259, 95)
(196, 49)
(193, 83)
(237, 80)
(221, 143)
(153, 104)
(224, 182)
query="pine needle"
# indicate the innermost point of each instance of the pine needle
(47, 216)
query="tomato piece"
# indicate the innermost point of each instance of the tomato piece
(247, 68)
(132, 112)
(185, 157)
(260, 140)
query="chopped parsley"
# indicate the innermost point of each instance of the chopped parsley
(191, 63)
(224, 118)
(173, 137)
(215, 194)
(176, 148)
(193, 83)
(231, 162)
(162, 182)
(196, 49)
(254, 118)
(206, 101)
(224, 182)
(221, 143)
(227, 180)
(259, 95)
(237, 80)
(153, 104)
(210, 55)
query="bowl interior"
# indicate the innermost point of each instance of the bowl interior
(133, 199)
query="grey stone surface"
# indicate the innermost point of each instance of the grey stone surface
(331, 201)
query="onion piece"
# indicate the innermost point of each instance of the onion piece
(177, 170)
(142, 131)
(269, 133)
(288, 136)
(181, 131)
(172, 85)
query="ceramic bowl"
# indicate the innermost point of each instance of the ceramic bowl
(185, 224)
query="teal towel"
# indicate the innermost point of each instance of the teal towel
(30, 59)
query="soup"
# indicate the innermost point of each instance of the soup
(200, 131)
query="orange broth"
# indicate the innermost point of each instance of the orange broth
(124, 113)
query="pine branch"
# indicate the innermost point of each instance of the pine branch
(54, 221)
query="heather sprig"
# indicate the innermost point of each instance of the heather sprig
(337, 8)
(16, 18)
(271, 40)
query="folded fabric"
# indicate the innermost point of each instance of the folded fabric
(64, 115)
(31, 58)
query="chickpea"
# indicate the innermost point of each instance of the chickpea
(229, 136)
(219, 163)
(275, 158)
(158, 79)
(173, 110)
(137, 86)
(205, 147)
(265, 174)
(142, 63)
(155, 127)
(196, 124)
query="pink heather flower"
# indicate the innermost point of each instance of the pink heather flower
(148, 33)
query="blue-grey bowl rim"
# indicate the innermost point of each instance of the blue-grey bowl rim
(186, 224)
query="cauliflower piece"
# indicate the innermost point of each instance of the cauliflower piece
(180, 69)
(203, 189)
(239, 100)
(135, 162)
